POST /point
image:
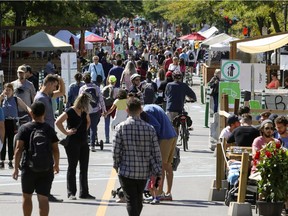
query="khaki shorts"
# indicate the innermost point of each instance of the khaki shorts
(167, 147)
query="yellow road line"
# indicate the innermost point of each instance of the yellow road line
(107, 194)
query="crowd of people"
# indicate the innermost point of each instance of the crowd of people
(142, 103)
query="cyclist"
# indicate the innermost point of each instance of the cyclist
(175, 94)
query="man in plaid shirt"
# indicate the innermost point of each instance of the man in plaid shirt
(136, 155)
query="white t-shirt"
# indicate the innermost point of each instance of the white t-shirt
(225, 133)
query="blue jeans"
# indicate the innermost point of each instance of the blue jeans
(107, 127)
(95, 119)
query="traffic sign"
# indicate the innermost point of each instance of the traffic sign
(232, 89)
(132, 28)
(230, 69)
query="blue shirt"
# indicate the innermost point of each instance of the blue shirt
(96, 69)
(283, 139)
(160, 121)
(184, 56)
(9, 106)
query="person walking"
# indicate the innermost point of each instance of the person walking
(167, 139)
(214, 85)
(77, 150)
(96, 69)
(109, 94)
(97, 106)
(73, 90)
(39, 181)
(2, 128)
(128, 72)
(120, 106)
(136, 155)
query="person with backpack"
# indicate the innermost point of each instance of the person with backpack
(77, 150)
(97, 107)
(109, 94)
(149, 89)
(37, 149)
(10, 106)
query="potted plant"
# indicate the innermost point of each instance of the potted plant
(272, 164)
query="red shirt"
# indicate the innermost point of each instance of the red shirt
(167, 63)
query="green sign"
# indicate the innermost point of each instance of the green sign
(232, 89)
(230, 69)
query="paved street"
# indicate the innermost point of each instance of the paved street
(192, 181)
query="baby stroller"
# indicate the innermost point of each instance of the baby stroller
(233, 185)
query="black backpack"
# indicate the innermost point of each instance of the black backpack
(149, 94)
(191, 56)
(39, 152)
(92, 92)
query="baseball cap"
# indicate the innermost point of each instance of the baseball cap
(112, 79)
(232, 119)
(168, 74)
(134, 76)
(22, 69)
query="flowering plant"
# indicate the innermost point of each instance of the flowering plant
(273, 168)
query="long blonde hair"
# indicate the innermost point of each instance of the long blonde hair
(130, 68)
(83, 102)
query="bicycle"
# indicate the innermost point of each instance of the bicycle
(182, 122)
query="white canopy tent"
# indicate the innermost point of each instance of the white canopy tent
(222, 46)
(209, 32)
(263, 44)
(215, 39)
(65, 36)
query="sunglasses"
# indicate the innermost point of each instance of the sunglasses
(268, 128)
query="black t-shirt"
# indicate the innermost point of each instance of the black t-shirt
(243, 136)
(78, 122)
(25, 131)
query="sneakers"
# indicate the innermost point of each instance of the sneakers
(165, 197)
(93, 149)
(155, 201)
(72, 197)
(52, 198)
(107, 141)
(10, 165)
(88, 196)
(2, 165)
(148, 199)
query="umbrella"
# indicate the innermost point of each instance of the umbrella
(193, 36)
(94, 38)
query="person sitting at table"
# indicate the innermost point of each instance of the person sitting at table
(233, 122)
(245, 134)
(267, 130)
(274, 84)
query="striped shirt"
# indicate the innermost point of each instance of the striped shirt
(136, 152)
